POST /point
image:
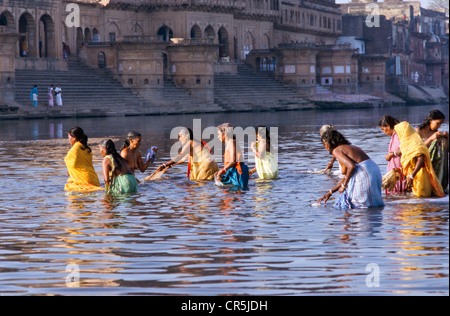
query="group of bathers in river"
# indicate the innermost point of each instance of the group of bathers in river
(119, 168)
(417, 162)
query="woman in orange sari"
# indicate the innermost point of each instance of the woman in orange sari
(82, 175)
(416, 163)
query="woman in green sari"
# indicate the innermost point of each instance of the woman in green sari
(437, 143)
(119, 178)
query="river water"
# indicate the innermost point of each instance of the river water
(178, 237)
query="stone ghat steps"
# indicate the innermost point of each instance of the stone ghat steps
(95, 92)
(82, 90)
(249, 90)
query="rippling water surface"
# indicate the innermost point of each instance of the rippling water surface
(178, 237)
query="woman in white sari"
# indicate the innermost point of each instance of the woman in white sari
(58, 95)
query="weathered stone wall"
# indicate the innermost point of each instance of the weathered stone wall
(7, 65)
(372, 74)
(338, 68)
(193, 68)
(298, 68)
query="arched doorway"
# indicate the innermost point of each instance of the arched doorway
(258, 63)
(265, 41)
(209, 33)
(137, 29)
(249, 43)
(27, 43)
(196, 32)
(95, 35)
(80, 39)
(165, 33)
(223, 42)
(272, 64)
(113, 32)
(264, 64)
(101, 59)
(7, 20)
(47, 44)
(87, 35)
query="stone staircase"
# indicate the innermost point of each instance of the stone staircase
(249, 90)
(185, 103)
(85, 91)
(94, 92)
(322, 90)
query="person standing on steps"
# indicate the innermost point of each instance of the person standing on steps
(34, 95)
(58, 95)
(51, 95)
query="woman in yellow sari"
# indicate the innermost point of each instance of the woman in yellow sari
(416, 163)
(82, 175)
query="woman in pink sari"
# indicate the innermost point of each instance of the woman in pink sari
(51, 94)
(394, 155)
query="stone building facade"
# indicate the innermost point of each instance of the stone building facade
(413, 40)
(141, 42)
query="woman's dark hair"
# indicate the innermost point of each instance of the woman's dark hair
(334, 139)
(388, 120)
(131, 135)
(264, 132)
(191, 133)
(110, 148)
(78, 134)
(433, 115)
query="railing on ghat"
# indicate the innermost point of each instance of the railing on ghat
(168, 3)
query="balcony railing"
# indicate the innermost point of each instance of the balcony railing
(167, 3)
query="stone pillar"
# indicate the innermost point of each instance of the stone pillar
(192, 68)
(7, 65)
(297, 68)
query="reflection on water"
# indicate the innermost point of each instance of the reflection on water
(177, 236)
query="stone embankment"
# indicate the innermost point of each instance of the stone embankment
(95, 93)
